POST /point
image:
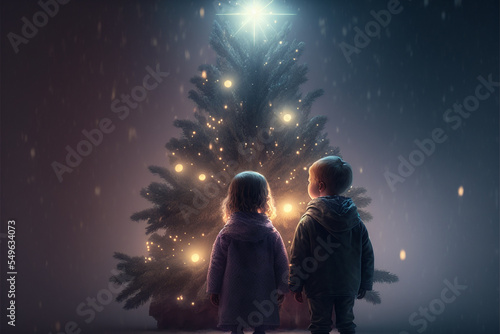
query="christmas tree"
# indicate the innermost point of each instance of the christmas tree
(250, 115)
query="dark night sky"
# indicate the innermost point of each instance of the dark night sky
(395, 91)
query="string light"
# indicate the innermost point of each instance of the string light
(195, 258)
(179, 168)
(202, 177)
(228, 83)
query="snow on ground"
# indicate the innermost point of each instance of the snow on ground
(151, 331)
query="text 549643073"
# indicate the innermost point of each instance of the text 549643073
(11, 274)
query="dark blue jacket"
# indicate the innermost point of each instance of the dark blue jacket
(331, 253)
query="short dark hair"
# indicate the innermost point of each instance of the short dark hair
(334, 172)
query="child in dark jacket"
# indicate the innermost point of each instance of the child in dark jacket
(331, 255)
(247, 276)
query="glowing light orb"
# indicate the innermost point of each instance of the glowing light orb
(202, 177)
(287, 118)
(257, 17)
(402, 255)
(195, 258)
(228, 83)
(287, 207)
(460, 191)
(179, 168)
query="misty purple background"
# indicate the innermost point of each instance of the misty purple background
(393, 92)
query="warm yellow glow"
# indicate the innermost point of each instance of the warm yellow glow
(287, 207)
(202, 177)
(402, 255)
(195, 257)
(228, 83)
(179, 168)
(287, 117)
(460, 191)
(204, 74)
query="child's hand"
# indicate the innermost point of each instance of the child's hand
(361, 293)
(281, 298)
(298, 297)
(214, 299)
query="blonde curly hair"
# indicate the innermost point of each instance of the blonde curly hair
(248, 192)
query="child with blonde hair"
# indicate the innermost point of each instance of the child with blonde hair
(247, 275)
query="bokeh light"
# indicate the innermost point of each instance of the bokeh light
(402, 255)
(179, 168)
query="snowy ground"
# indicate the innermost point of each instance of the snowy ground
(209, 332)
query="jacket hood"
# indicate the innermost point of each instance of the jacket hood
(334, 213)
(248, 226)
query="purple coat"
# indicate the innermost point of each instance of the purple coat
(249, 264)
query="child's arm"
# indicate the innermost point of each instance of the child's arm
(280, 265)
(217, 266)
(299, 251)
(367, 262)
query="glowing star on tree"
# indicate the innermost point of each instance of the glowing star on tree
(257, 16)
